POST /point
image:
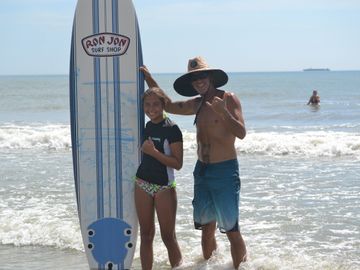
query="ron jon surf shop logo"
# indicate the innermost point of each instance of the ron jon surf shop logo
(106, 44)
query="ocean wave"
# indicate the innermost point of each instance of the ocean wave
(305, 143)
(308, 144)
(52, 137)
(42, 224)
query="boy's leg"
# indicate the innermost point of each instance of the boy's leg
(238, 248)
(208, 241)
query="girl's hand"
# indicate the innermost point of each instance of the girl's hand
(148, 147)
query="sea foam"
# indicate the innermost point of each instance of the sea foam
(52, 137)
(307, 143)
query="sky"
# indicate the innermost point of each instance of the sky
(234, 35)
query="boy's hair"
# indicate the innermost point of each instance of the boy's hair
(159, 93)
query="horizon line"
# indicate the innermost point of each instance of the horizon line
(171, 73)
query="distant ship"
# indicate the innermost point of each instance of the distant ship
(316, 69)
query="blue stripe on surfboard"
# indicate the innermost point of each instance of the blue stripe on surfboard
(140, 89)
(74, 114)
(108, 88)
(98, 124)
(117, 118)
(117, 105)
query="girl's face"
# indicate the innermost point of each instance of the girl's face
(153, 108)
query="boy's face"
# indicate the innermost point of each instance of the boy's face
(201, 82)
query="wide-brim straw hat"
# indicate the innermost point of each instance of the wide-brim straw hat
(183, 85)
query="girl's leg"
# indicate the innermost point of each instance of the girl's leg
(145, 211)
(165, 205)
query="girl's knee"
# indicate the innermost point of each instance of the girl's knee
(147, 236)
(168, 238)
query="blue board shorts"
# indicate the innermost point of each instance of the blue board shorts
(216, 195)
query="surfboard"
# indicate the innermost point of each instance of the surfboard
(107, 122)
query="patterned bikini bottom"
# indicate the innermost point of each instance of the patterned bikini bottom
(151, 188)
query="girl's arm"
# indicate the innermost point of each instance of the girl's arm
(174, 161)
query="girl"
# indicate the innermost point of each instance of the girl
(155, 184)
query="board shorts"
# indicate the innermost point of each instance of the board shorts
(216, 195)
(151, 188)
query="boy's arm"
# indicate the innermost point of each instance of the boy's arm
(148, 78)
(229, 108)
(187, 107)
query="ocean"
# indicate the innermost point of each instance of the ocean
(299, 168)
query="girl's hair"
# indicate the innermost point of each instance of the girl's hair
(157, 92)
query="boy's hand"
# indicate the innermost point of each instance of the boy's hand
(145, 71)
(219, 105)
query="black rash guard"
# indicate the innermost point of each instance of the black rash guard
(162, 134)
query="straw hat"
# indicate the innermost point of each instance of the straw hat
(183, 85)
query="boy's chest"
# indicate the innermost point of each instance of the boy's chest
(207, 118)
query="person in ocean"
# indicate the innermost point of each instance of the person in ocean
(162, 150)
(219, 121)
(314, 99)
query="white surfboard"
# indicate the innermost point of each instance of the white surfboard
(106, 127)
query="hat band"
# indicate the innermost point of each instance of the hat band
(198, 76)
